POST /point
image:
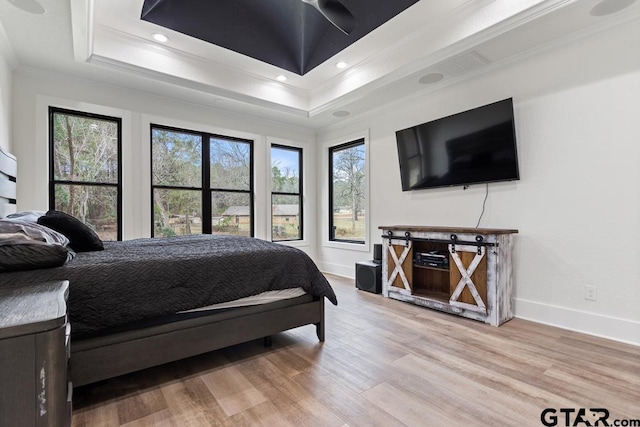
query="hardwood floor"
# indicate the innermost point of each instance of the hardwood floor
(384, 363)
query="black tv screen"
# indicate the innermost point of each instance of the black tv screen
(471, 147)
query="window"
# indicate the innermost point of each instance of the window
(193, 196)
(286, 193)
(231, 185)
(347, 192)
(176, 158)
(85, 169)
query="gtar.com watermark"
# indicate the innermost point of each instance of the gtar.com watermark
(572, 417)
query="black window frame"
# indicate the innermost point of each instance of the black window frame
(53, 182)
(299, 193)
(206, 188)
(332, 150)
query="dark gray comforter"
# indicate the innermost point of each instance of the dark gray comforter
(146, 278)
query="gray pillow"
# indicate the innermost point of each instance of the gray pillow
(27, 216)
(33, 231)
(20, 253)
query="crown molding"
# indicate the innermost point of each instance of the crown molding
(614, 21)
(82, 27)
(430, 60)
(98, 45)
(87, 36)
(192, 84)
(52, 76)
(205, 63)
(194, 71)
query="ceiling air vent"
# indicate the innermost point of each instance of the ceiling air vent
(462, 64)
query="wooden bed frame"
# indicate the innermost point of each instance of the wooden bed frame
(107, 356)
(95, 359)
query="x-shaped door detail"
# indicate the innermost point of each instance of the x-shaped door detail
(466, 281)
(397, 262)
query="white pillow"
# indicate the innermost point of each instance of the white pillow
(27, 216)
(33, 231)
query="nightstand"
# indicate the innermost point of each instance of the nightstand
(34, 352)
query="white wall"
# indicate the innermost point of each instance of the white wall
(35, 91)
(5, 101)
(577, 205)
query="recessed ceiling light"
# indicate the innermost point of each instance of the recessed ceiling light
(341, 64)
(341, 113)
(430, 78)
(160, 37)
(281, 78)
(31, 6)
(607, 7)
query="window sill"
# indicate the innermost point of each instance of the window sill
(359, 247)
(293, 243)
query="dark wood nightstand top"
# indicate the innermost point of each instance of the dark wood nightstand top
(30, 309)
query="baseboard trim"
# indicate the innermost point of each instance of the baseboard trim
(338, 269)
(613, 328)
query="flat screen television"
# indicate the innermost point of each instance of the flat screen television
(471, 147)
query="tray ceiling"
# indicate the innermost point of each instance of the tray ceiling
(428, 46)
(290, 34)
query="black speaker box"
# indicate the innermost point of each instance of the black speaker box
(377, 253)
(369, 276)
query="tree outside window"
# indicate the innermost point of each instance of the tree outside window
(177, 182)
(231, 186)
(85, 171)
(192, 196)
(286, 193)
(347, 192)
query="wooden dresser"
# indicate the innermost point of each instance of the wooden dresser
(463, 271)
(34, 352)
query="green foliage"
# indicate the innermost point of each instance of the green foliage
(226, 228)
(85, 151)
(176, 158)
(348, 177)
(177, 162)
(285, 181)
(165, 232)
(230, 164)
(285, 232)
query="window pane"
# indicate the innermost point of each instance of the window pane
(285, 170)
(230, 164)
(348, 178)
(231, 213)
(285, 217)
(177, 212)
(85, 149)
(96, 206)
(177, 158)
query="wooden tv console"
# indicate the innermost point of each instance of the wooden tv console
(463, 271)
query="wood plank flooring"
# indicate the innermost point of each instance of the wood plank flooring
(384, 363)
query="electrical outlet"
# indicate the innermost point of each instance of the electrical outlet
(591, 293)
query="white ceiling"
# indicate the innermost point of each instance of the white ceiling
(105, 40)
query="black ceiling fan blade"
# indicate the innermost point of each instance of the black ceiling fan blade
(338, 15)
(148, 7)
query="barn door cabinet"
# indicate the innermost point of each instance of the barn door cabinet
(463, 271)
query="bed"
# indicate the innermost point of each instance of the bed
(146, 302)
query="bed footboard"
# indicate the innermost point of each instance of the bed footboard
(96, 359)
